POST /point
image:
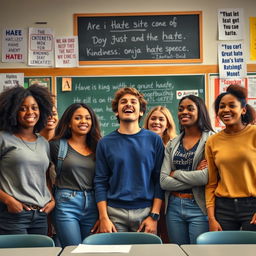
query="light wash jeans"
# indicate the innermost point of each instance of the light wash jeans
(185, 220)
(74, 216)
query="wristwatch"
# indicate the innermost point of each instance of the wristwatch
(154, 216)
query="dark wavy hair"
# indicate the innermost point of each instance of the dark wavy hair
(203, 121)
(11, 99)
(129, 90)
(63, 130)
(240, 94)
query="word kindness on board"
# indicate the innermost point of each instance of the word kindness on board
(129, 37)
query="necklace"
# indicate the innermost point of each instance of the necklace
(27, 144)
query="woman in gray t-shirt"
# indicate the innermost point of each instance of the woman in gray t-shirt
(76, 212)
(25, 199)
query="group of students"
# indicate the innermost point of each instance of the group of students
(117, 183)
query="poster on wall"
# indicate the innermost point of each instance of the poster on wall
(14, 45)
(231, 60)
(66, 51)
(252, 38)
(43, 81)
(11, 79)
(218, 86)
(231, 24)
(252, 91)
(40, 52)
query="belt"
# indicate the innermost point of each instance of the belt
(33, 207)
(182, 195)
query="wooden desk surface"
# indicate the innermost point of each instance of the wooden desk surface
(136, 250)
(220, 249)
(35, 251)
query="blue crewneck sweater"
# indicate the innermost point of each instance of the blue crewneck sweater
(128, 169)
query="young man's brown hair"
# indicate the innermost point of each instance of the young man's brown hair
(129, 90)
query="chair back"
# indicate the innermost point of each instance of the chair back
(123, 238)
(25, 240)
(227, 237)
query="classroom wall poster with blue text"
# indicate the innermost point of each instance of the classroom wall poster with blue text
(231, 60)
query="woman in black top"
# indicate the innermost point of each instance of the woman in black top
(76, 211)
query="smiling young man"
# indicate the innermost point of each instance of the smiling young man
(128, 163)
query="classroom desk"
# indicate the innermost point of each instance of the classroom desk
(136, 250)
(35, 251)
(220, 249)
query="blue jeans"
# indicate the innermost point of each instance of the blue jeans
(74, 216)
(185, 220)
(24, 222)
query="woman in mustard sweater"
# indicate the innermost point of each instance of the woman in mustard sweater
(231, 157)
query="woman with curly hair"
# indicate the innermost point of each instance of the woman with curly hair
(76, 209)
(231, 190)
(25, 199)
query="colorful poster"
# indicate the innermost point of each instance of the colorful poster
(43, 81)
(231, 24)
(11, 79)
(220, 85)
(14, 45)
(252, 91)
(252, 38)
(66, 52)
(231, 60)
(41, 44)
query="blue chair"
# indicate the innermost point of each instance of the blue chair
(25, 240)
(227, 237)
(122, 238)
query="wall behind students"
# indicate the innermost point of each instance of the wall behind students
(59, 16)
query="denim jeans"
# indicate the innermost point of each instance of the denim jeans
(25, 222)
(74, 216)
(185, 220)
(235, 213)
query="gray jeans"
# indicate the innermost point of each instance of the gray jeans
(127, 220)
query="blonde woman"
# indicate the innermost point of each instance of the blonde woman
(159, 120)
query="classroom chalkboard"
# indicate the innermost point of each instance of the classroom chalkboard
(98, 92)
(139, 37)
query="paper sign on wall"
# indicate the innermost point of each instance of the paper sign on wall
(40, 47)
(252, 38)
(181, 93)
(231, 60)
(14, 43)
(231, 24)
(11, 79)
(66, 51)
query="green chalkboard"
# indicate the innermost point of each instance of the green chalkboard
(139, 37)
(98, 92)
